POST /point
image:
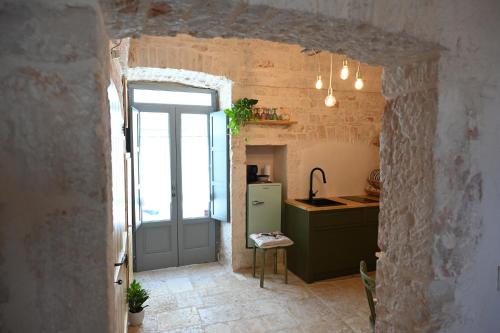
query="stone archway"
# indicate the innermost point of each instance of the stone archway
(196, 79)
(444, 222)
(409, 123)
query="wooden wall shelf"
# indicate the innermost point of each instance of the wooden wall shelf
(272, 122)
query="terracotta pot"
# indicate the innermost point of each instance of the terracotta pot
(135, 319)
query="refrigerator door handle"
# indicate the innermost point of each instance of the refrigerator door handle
(256, 202)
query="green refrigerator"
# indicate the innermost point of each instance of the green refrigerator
(264, 205)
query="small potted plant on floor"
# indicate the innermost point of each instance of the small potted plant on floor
(136, 297)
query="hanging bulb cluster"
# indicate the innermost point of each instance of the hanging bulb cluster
(330, 99)
(358, 84)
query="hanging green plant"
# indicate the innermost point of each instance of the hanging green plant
(240, 114)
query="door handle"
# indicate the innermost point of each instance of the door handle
(120, 281)
(124, 261)
(256, 202)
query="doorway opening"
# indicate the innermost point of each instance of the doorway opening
(405, 77)
(170, 143)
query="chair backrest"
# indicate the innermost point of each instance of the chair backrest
(369, 284)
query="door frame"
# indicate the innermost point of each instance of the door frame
(174, 118)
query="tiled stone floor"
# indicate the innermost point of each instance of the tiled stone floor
(210, 298)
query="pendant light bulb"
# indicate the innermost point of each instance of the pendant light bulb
(358, 84)
(344, 72)
(319, 82)
(330, 99)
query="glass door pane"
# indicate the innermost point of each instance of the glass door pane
(194, 165)
(154, 166)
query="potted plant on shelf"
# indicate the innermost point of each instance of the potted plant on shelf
(136, 297)
(240, 114)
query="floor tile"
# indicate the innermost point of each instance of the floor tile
(179, 284)
(180, 318)
(192, 329)
(209, 298)
(220, 313)
(188, 299)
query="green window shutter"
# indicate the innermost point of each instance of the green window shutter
(219, 167)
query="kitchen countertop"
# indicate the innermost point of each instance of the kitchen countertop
(348, 204)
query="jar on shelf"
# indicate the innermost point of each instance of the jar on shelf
(274, 115)
(256, 113)
(265, 114)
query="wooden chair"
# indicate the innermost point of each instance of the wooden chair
(369, 284)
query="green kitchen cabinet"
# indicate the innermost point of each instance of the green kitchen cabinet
(330, 243)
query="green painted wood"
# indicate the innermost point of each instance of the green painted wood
(262, 267)
(369, 284)
(275, 267)
(275, 264)
(285, 250)
(331, 243)
(219, 167)
(296, 227)
(254, 259)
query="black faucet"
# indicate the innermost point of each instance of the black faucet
(311, 193)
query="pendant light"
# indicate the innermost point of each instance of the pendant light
(330, 99)
(319, 82)
(358, 84)
(344, 72)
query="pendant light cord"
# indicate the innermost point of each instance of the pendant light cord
(319, 65)
(331, 71)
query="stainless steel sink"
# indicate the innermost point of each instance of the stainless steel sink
(321, 202)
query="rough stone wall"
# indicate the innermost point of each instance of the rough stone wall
(463, 295)
(52, 75)
(318, 24)
(465, 152)
(406, 216)
(279, 75)
(55, 204)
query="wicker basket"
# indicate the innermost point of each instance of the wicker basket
(374, 179)
(372, 191)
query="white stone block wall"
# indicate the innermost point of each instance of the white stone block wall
(53, 72)
(279, 75)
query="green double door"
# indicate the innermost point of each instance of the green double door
(172, 184)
